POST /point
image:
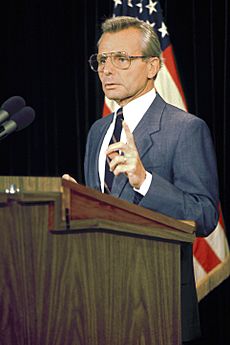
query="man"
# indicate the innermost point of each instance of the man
(164, 159)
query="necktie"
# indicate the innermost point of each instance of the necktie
(115, 138)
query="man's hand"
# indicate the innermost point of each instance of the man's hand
(68, 178)
(125, 159)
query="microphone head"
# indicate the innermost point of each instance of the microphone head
(13, 104)
(23, 118)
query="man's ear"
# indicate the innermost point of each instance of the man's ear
(154, 67)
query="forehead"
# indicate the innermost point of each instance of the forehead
(129, 40)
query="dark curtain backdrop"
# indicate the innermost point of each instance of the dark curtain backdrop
(44, 58)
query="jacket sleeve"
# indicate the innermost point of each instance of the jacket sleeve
(192, 191)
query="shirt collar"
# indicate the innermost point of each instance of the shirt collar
(135, 110)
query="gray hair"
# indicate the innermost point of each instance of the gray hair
(151, 44)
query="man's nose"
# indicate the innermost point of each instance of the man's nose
(108, 66)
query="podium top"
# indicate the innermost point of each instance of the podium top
(31, 183)
(88, 207)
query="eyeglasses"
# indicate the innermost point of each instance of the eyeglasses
(120, 60)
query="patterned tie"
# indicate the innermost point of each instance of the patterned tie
(115, 138)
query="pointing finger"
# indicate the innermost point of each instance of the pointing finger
(129, 135)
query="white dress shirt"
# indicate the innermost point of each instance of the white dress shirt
(133, 113)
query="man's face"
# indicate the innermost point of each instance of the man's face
(126, 85)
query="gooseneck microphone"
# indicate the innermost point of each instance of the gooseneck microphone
(11, 106)
(17, 122)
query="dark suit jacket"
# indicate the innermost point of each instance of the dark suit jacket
(177, 149)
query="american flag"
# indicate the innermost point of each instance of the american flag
(211, 254)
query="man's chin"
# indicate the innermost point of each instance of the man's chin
(112, 96)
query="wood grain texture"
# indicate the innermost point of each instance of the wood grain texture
(31, 183)
(88, 288)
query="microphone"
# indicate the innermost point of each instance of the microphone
(10, 107)
(17, 122)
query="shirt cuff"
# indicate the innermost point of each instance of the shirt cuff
(145, 185)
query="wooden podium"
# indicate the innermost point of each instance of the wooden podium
(78, 267)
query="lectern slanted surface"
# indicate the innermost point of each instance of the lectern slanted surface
(76, 204)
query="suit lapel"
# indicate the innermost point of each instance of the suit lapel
(100, 137)
(149, 124)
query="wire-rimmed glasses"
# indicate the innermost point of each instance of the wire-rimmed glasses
(119, 59)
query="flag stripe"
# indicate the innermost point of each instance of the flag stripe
(199, 272)
(205, 255)
(166, 87)
(221, 221)
(168, 58)
(106, 109)
(217, 240)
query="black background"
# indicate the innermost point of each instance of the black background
(43, 57)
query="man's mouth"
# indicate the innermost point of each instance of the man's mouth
(110, 85)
